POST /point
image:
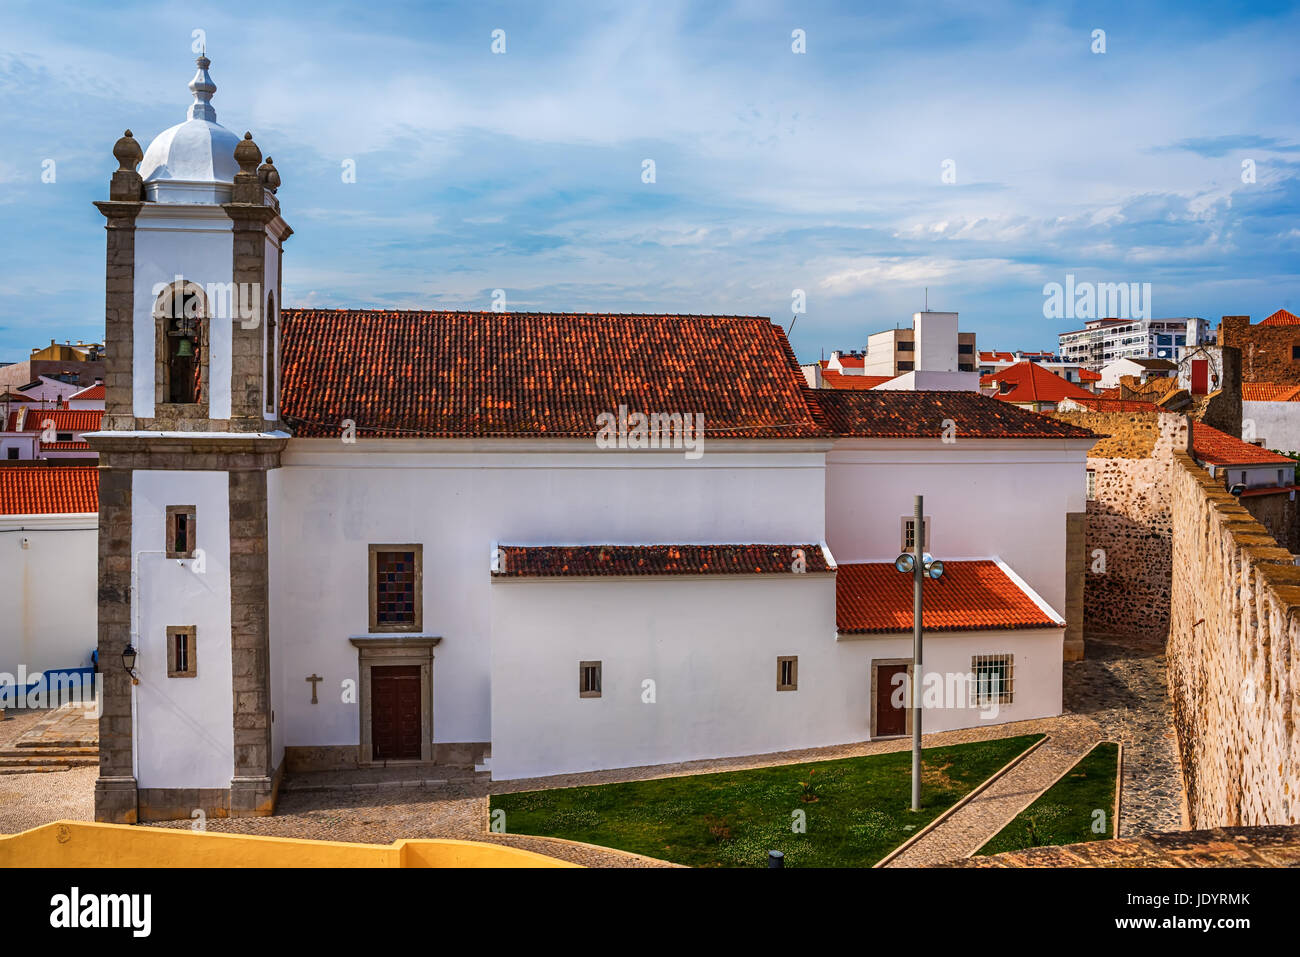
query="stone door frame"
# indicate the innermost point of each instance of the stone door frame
(394, 650)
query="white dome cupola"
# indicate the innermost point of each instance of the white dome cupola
(194, 161)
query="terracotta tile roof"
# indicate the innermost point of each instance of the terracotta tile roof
(888, 413)
(66, 446)
(838, 380)
(971, 596)
(1111, 393)
(1269, 490)
(1281, 318)
(95, 391)
(999, 356)
(584, 561)
(1030, 382)
(1114, 405)
(48, 489)
(1219, 448)
(1087, 375)
(453, 374)
(853, 362)
(65, 420)
(1269, 392)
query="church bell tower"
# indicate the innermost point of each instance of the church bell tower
(191, 438)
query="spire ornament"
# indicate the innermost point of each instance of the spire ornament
(202, 87)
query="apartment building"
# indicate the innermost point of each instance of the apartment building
(932, 344)
(1102, 341)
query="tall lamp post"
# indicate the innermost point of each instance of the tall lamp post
(921, 566)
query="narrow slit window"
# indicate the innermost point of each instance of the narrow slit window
(589, 679)
(181, 651)
(181, 530)
(787, 673)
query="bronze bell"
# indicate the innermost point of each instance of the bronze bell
(185, 349)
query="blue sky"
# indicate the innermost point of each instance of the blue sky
(775, 171)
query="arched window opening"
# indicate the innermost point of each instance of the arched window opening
(182, 311)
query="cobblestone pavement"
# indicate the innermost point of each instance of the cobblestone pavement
(29, 800)
(1122, 687)
(1276, 845)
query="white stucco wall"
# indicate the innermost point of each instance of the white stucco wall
(457, 498)
(197, 243)
(48, 611)
(985, 498)
(710, 647)
(1277, 423)
(936, 341)
(184, 726)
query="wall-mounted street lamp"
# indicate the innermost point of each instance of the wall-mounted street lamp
(128, 662)
(920, 565)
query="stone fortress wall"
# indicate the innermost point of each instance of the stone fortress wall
(1129, 525)
(1234, 671)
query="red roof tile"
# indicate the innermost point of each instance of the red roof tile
(1030, 382)
(1281, 318)
(888, 413)
(838, 380)
(583, 561)
(1087, 375)
(971, 596)
(48, 489)
(66, 446)
(1116, 405)
(1269, 392)
(1219, 448)
(452, 374)
(853, 362)
(64, 420)
(95, 391)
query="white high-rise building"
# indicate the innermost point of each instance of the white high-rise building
(1102, 341)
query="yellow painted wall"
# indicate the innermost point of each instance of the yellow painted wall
(86, 844)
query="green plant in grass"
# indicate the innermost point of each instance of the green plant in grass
(860, 809)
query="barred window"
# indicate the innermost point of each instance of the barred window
(396, 587)
(1092, 484)
(787, 673)
(992, 680)
(909, 533)
(589, 679)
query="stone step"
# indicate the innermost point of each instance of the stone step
(39, 742)
(46, 751)
(36, 769)
(58, 761)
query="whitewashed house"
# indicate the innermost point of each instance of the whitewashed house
(531, 543)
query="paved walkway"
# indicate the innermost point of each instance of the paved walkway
(970, 827)
(1116, 694)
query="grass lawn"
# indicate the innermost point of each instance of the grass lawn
(1066, 812)
(856, 810)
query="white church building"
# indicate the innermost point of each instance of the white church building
(528, 543)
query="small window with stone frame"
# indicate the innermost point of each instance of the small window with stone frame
(396, 588)
(182, 648)
(787, 673)
(589, 679)
(182, 531)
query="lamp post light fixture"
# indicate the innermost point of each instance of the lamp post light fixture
(128, 662)
(920, 565)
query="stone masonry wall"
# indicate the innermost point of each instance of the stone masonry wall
(1129, 524)
(1234, 672)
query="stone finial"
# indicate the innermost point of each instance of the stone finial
(269, 175)
(248, 183)
(247, 155)
(127, 152)
(127, 185)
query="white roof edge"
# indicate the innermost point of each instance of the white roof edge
(1036, 598)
